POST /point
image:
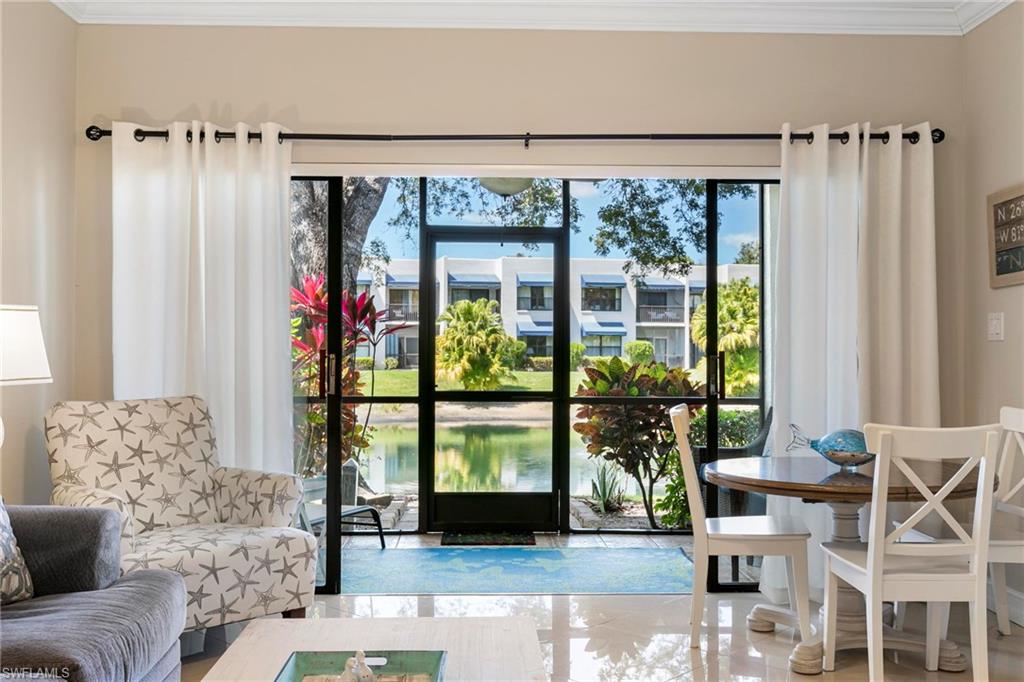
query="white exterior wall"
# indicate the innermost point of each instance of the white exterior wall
(506, 270)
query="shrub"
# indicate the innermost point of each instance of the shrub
(576, 351)
(542, 363)
(473, 348)
(736, 428)
(391, 363)
(515, 354)
(637, 437)
(593, 360)
(364, 364)
(639, 352)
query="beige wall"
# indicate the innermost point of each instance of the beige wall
(463, 80)
(37, 257)
(994, 107)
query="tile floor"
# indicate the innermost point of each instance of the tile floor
(605, 638)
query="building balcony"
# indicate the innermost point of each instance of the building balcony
(403, 312)
(530, 303)
(661, 313)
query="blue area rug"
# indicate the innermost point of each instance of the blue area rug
(515, 570)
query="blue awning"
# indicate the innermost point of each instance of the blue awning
(364, 278)
(610, 281)
(403, 281)
(535, 279)
(473, 280)
(661, 284)
(534, 328)
(604, 329)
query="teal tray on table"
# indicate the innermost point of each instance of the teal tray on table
(388, 666)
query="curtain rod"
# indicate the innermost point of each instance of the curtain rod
(95, 133)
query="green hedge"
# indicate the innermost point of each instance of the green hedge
(364, 364)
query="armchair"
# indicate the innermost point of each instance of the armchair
(226, 531)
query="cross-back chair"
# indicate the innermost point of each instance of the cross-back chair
(891, 565)
(739, 535)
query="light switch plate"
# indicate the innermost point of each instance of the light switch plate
(995, 327)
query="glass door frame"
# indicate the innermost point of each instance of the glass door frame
(560, 397)
(537, 511)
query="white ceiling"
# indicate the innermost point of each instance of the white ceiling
(892, 17)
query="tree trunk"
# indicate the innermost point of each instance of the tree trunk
(648, 500)
(363, 197)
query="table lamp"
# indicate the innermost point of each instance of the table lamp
(22, 353)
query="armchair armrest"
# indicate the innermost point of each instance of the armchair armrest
(257, 498)
(68, 549)
(81, 496)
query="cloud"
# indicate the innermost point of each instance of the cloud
(738, 239)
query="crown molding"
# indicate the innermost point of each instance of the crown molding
(859, 17)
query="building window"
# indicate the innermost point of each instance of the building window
(602, 298)
(462, 294)
(602, 345)
(535, 298)
(538, 346)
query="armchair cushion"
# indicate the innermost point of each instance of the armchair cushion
(257, 498)
(77, 496)
(120, 633)
(232, 572)
(68, 549)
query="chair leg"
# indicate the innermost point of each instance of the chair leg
(935, 631)
(979, 636)
(829, 626)
(700, 585)
(899, 614)
(800, 593)
(875, 641)
(375, 515)
(1002, 602)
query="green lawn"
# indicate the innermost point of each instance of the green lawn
(403, 382)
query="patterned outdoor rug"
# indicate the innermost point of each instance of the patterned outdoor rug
(451, 537)
(515, 570)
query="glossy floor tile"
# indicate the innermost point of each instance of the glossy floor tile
(605, 638)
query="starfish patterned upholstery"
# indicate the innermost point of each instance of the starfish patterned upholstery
(226, 531)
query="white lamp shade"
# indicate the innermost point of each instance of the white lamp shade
(22, 354)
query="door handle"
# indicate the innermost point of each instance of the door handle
(721, 375)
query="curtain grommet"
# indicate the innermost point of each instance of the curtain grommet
(938, 135)
(139, 137)
(810, 137)
(188, 136)
(885, 137)
(914, 137)
(845, 138)
(216, 136)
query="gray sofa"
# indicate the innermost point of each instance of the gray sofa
(87, 623)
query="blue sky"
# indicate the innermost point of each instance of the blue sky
(739, 224)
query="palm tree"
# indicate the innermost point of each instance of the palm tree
(739, 334)
(473, 348)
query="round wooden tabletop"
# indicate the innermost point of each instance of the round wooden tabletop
(814, 478)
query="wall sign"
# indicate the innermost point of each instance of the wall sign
(1006, 237)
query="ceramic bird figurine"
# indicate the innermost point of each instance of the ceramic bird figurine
(845, 447)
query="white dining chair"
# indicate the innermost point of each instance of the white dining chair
(888, 567)
(1006, 540)
(739, 535)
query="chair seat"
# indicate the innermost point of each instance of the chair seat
(855, 555)
(231, 572)
(756, 527)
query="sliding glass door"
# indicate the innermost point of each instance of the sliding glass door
(470, 352)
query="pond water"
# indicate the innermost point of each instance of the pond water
(476, 458)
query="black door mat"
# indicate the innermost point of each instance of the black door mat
(451, 537)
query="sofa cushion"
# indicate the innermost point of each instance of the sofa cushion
(232, 572)
(15, 580)
(110, 635)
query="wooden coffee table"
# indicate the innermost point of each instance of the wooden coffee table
(478, 648)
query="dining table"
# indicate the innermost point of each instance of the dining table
(815, 480)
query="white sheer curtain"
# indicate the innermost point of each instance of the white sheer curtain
(853, 299)
(200, 280)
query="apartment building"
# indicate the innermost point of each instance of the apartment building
(608, 308)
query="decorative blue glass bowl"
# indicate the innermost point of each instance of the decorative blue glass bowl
(845, 447)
